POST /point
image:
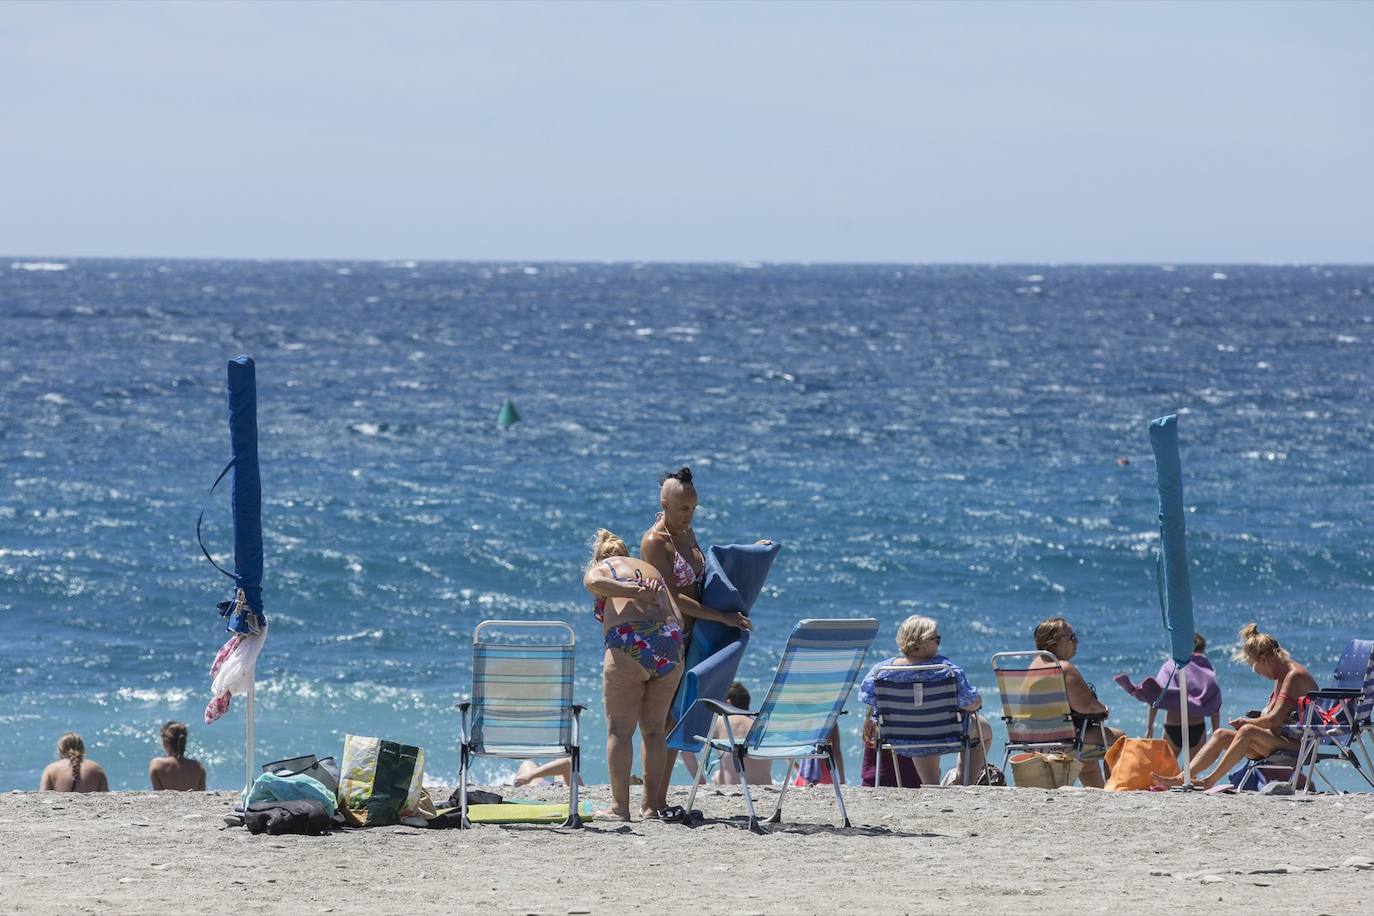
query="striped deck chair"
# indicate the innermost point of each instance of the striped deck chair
(522, 700)
(1035, 706)
(919, 715)
(820, 663)
(1335, 721)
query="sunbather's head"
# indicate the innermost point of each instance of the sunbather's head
(174, 736)
(1261, 652)
(1056, 636)
(607, 544)
(738, 696)
(918, 637)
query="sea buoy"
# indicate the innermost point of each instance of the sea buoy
(508, 416)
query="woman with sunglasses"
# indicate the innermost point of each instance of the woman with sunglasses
(918, 639)
(1055, 636)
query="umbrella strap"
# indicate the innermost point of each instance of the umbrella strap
(200, 518)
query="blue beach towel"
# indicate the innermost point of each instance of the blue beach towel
(734, 577)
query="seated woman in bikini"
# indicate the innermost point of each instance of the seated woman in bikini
(1253, 736)
(642, 625)
(1056, 636)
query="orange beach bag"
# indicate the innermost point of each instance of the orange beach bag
(1133, 760)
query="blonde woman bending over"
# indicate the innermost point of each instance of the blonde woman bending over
(1253, 736)
(642, 624)
(72, 772)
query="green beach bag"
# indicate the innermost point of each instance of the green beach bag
(379, 782)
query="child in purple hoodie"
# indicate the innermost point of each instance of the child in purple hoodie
(1161, 692)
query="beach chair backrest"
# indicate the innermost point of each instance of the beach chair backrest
(1365, 708)
(1035, 701)
(819, 666)
(522, 684)
(1350, 668)
(917, 712)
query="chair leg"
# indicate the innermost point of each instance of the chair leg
(464, 759)
(702, 766)
(835, 781)
(966, 752)
(776, 816)
(463, 823)
(738, 756)
(574, 813)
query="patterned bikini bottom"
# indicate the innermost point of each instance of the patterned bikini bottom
(656, 645)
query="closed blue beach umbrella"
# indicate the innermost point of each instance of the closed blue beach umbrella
(234, 668)
(1175, 592)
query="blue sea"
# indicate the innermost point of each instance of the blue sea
(944, 440)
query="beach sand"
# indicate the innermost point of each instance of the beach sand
(992, 850)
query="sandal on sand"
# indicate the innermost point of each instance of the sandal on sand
(676, 814)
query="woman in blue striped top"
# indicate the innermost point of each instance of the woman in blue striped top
(918, 639)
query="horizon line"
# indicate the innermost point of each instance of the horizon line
(15, 259)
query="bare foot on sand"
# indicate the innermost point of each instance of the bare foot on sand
(1167, 782)
(610, 814)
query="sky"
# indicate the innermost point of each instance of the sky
(816, 132)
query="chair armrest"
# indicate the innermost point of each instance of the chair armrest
(1333, 694)
(464, 706)
(579, 708)
(725, 709)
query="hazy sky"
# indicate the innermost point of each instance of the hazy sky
(927, 132)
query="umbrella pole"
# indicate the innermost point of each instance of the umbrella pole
(1182, 716)
(248, 752)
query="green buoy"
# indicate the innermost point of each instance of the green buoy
(509, 416)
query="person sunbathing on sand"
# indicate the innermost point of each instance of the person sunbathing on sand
(1055, 636)
(552, 773)
(758, 770)
(72, 772)
(642, 624)
(176, 771)
(1253, 736)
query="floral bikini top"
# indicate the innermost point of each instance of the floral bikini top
(683, 573)
(600, 605)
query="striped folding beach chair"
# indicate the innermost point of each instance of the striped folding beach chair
(522, 700)
(1335, 721)
(820, 663)
(919, 715)
(1035, 705)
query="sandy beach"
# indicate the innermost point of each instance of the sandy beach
(928, 851)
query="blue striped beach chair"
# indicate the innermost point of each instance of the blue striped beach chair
(919, 715)
(820, 663)
(1035, 706)
(522, 700)
(1335, 721)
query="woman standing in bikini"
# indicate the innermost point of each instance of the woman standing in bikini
(1253, 736)
(642, 624)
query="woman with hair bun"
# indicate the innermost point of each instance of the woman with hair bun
(643, 627)
(1254, 735)
(72, 772)
(670, 546)
(176, 771)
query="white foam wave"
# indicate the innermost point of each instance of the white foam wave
(38, 265)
